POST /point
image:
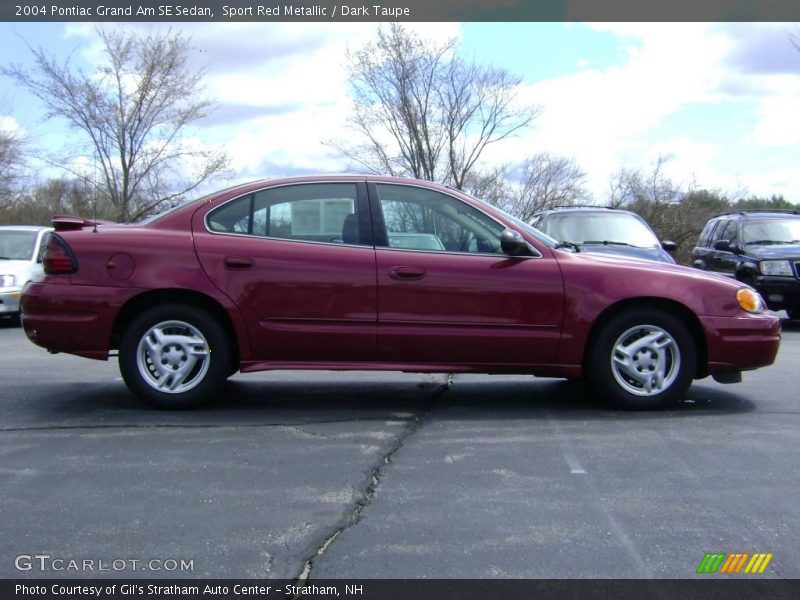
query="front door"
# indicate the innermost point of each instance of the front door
(448, 294)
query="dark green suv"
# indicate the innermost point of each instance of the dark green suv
(758, 247)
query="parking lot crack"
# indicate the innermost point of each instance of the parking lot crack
(372, 481)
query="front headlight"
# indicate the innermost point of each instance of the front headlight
(750, 300)
(775, 267)
(8, 281)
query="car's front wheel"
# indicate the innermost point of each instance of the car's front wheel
(166, 357)
(642, 359)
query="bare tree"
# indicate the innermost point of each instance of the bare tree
(479, 109)
(11, 162)
(674, 212)
(53, 196)
(546, 181)
(651, 190)
(423, 111)
(493, 187)
(133, 112)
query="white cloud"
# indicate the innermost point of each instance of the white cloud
(283, 91)
(294, 72)
(777, 111)
(599, 115)
(10, 125)
(614, 116)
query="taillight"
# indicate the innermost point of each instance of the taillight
(58, 258)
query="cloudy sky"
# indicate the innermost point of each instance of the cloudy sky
(721, 99)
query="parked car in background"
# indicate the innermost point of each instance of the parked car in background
(20, 260)
(758, 247)
(385, 274)
(604, 230)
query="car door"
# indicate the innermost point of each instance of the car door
(701, 254)
(299, 262)
(459, 300)
(724, 262)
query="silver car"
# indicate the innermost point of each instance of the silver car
(20, 260)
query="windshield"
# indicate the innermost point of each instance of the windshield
(17, 244)
(537, 233)
(621, 228)
(772, 231)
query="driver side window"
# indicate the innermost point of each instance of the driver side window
(420, 219)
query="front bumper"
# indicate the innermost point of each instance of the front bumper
(77, 319)
(779, 292)
(741, 343)
(9, 301)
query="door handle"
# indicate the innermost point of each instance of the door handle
(406, 273)
(238, 263)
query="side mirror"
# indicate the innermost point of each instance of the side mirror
(669, 245)
(726, 246)
(513, 243)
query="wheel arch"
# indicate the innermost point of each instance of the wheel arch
(134, 306)
(672, 307)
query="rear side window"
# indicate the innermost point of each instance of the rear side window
(319, 212)
(717, 233)
(705, 235)
(729, 233)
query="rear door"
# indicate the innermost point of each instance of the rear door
(701, 254)
(298, 261)
(456, 298)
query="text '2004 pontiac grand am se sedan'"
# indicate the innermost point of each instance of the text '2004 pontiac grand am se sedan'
(379, 273)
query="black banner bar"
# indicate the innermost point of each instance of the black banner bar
(400, 10)
(712, 588)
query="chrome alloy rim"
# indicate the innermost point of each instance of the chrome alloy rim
(173, 357)
(645, 360)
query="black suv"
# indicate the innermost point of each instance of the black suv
(758, 247)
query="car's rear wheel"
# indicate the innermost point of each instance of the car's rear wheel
(642, 359)
(166, 357)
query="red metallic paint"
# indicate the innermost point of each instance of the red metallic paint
(311, 305)
(469, 309)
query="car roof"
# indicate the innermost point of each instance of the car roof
(178, 212)
(24, 227)
(760, 213)
(584, 209)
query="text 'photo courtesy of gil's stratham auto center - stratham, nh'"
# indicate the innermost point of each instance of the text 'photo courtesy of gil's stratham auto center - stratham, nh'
(438, 300)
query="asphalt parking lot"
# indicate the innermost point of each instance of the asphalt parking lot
(381, 475)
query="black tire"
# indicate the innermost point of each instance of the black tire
(181, 338)
(666, 362)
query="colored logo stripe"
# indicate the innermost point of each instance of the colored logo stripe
(722, 562)
(758, 563)
(734, 562)
(711, 562)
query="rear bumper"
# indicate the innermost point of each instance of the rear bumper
(76, 319)
(741, 343)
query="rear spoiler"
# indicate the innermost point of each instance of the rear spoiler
(72, 223)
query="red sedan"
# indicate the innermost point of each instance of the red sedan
(379, 273)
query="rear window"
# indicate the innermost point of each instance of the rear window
(17, 244)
